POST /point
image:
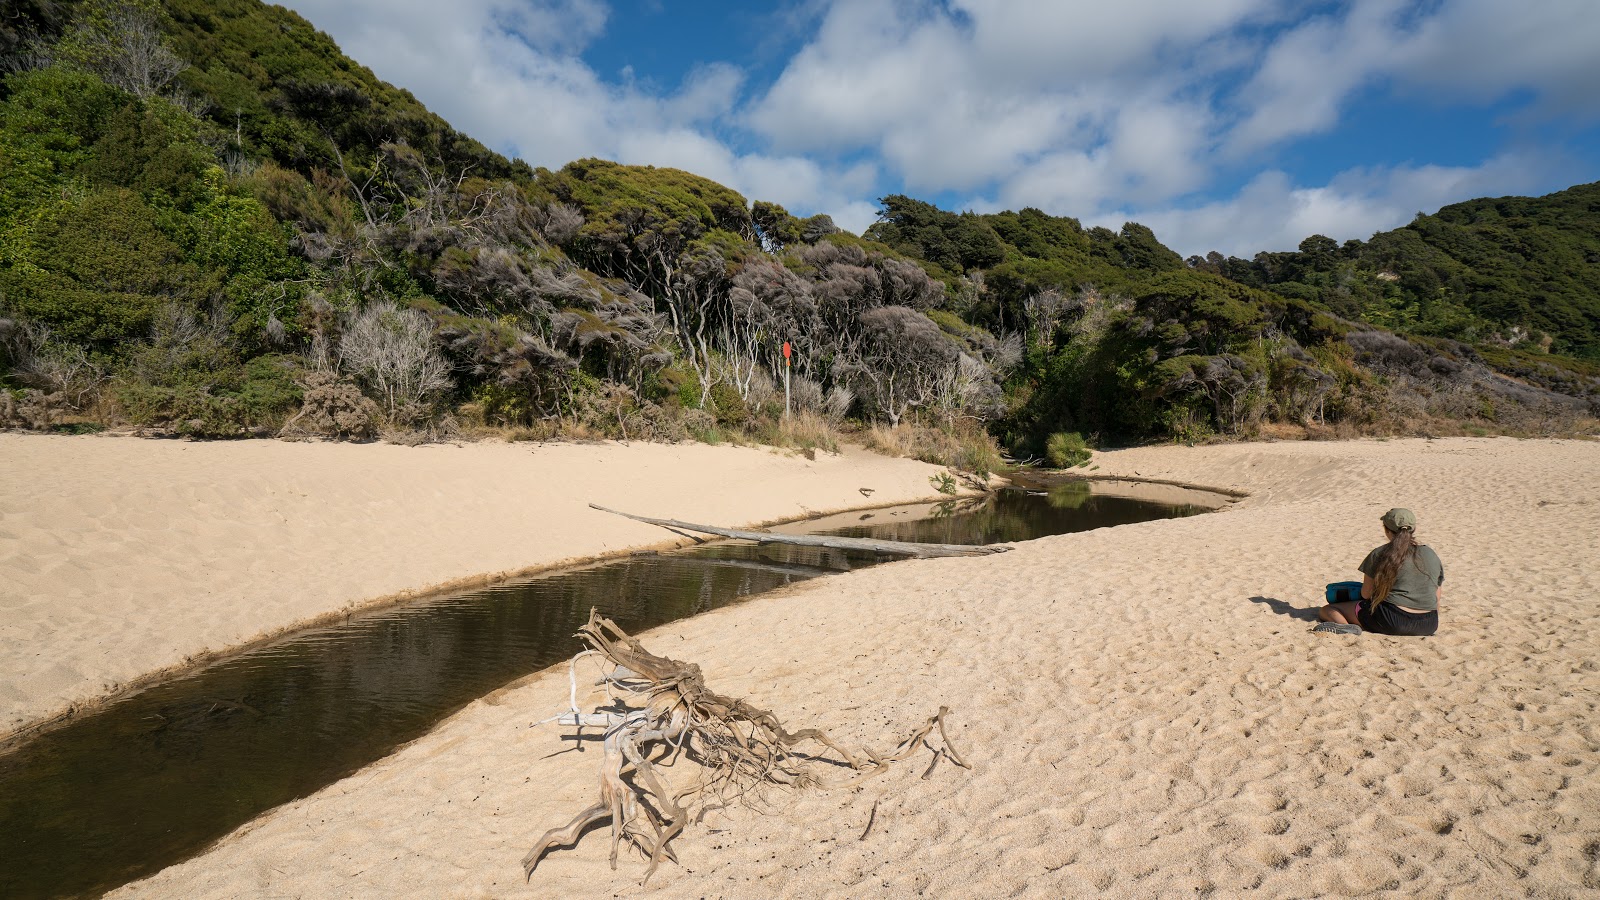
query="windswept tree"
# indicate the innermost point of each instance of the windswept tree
(903, 361)
(391, 350)
(769, 305)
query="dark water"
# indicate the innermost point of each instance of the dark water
(152, 779)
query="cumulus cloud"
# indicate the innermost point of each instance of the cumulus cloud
(1306, 74)
(508, 72)
(1483, 49)
(1272, 213)
(1087, 111)
(956, 101)
(1465, 50)
(1081, 110)
(1053, 41)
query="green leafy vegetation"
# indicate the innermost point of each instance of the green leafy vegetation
(1509, 272)
(214, 224)
(1067, 449)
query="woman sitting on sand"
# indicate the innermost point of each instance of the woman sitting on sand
(1401, 588)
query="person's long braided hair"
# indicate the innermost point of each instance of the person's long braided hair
(1402, 547)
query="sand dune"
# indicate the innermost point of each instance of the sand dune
(120, 557)
(1145, 708)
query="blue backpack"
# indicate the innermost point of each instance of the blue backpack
(1344, 592)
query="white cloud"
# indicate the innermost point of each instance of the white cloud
(1483, 49)
(1307, 73)
(507, 73)
(1272, 213)
(1037, 42)
(998, 97)
(1466, 50)
(1081, 110)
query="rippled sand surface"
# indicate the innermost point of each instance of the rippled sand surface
(1145, 708)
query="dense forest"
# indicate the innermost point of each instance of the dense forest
(214, 224)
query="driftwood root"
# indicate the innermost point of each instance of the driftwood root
(661, 711)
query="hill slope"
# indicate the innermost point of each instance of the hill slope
(1510, 271)
(216, 224)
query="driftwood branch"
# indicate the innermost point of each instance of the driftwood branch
(661, 710)
(899, 548)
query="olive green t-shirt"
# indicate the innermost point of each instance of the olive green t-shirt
(1417, 584)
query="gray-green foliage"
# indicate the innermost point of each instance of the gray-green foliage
(209, 274)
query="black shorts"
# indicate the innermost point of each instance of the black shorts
(1391, 619)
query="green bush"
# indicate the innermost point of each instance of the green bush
(254, 398)
(271, 390)
(1066, 449)
(675, 385)
(731, 408)
(94, 268)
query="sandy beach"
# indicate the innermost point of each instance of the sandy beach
(121, 557)
(1145, 708)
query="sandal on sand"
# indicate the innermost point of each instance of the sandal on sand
(1337, 628)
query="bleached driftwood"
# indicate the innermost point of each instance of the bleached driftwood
(661, 711)
(901, 548)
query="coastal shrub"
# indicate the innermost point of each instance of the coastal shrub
(34, 359)
(730, 407)
(702, 426)
(31, 409)
(1066, 449)
(391, 351)
(188, 411)
(94, 269)
(253, 399)
(674, 385)
(333, 407)
(611, 410)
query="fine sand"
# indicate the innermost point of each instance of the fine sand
(1145, 710)
(121, 557)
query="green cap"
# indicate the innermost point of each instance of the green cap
(1398, 519)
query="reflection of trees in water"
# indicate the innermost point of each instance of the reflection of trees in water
(963, 506)
(1019, 515)
(1069, 495)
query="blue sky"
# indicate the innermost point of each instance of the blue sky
(1231, 125)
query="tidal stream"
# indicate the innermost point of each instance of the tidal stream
(155, 777)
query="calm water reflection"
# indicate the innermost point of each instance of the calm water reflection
(152, 779)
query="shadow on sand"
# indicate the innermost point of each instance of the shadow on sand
(1284, 609)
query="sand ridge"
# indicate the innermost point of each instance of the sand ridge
(1145, 709)
(121, 557)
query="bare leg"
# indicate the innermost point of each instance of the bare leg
(1342, 613)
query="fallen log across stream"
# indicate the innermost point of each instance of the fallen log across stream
(901, 548)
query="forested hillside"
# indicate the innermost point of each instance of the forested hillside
(212, 223)
(1512, 272)
(1125, 339)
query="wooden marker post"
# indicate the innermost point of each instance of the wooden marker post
(786, 379)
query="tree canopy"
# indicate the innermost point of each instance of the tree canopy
(214, 223)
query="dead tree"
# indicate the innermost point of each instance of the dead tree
(662, 710)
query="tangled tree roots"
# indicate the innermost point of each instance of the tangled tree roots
(662, 709)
